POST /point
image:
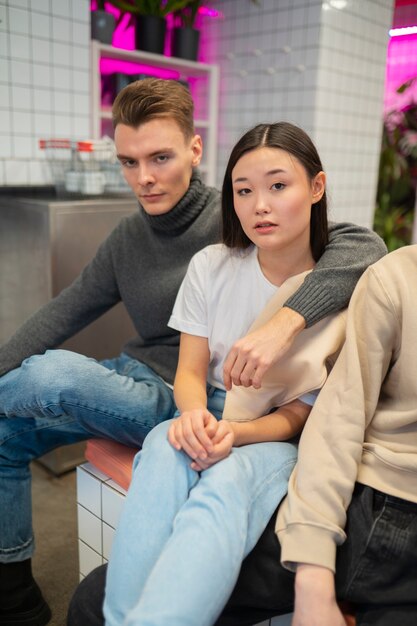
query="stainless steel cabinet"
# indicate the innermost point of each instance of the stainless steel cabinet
(44, 244)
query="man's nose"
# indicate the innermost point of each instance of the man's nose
(145, 176)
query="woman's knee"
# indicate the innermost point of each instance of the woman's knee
(156, 444)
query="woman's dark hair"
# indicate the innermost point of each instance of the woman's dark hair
(295, 141)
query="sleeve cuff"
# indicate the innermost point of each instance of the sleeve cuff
(301, 543)
(313, 303)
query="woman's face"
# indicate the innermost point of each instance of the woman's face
(273, 198)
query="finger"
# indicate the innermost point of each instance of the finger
(191, 441)
(172, 437)
(227, 368)
(211, 429)
(258, 375)
(237, 369)
(247, 375)
(200, 431)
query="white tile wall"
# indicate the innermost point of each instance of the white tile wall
(300, 60)
(44, 75)
(100, 501)
(310, 63)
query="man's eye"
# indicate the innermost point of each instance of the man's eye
(129, 163)
(162, 158)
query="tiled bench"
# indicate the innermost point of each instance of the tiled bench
(99, 501)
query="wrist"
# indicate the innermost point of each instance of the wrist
(295, 320)
(315, 579)
(236, 428)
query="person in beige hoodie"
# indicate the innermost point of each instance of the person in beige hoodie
(348, 527)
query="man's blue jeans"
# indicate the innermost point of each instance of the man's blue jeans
(61, 398)
(183, 534)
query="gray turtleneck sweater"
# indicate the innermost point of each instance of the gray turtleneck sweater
(143, 262)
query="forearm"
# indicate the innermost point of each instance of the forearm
(328, 288)
(281, 425)
(190, 391)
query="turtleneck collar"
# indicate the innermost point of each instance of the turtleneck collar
(184, 212)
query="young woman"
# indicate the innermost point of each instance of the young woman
(204, 487)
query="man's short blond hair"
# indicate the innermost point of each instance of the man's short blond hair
(150, 98)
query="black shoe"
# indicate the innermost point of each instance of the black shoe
(21, 600)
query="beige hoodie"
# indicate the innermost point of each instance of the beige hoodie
(363, 426)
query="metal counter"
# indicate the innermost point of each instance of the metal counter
(44, 244)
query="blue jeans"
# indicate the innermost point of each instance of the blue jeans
(183, 535)
(61, 398)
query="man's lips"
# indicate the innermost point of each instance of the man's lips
(151, 197)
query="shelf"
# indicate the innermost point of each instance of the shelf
(156, 60)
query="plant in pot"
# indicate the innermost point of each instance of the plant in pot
(102, 24)
(185, 38)
(149, 16)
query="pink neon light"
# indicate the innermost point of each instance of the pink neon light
(401, 66)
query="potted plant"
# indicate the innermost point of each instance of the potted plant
(150, 20)
(185, 38)
(102, 24)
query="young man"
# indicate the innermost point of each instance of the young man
(50, 398)
(358, 453)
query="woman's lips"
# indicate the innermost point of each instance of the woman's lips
(265, 227)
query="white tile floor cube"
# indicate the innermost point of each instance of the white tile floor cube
(100, 502)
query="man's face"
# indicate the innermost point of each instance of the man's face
(157, 162)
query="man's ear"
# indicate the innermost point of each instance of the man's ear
(197, 150)
(318, 186)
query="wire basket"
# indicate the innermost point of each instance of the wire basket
(89, 168)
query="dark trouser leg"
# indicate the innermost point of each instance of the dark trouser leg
(377, 565)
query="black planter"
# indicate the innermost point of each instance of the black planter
(102, 26)
(185, 43)
(150, 33)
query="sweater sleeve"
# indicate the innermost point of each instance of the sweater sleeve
(328, 288)
(89, 296)
(311, 521)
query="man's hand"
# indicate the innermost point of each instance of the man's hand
(251, 356)
(315, 598)
(222, 445)
(193, 432)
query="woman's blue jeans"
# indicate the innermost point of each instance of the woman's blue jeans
(183, 535)
(61, 398)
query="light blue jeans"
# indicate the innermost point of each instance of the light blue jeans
(183, 535)
(60, 398)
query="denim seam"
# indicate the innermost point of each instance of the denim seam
(359, 569)
(265, 485)
(23, 546)
(57, 422)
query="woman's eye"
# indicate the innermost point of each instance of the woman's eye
(242, 192)
(278, 186)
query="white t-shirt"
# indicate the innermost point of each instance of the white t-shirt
(221, 295)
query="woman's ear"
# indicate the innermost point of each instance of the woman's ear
(318, 186)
